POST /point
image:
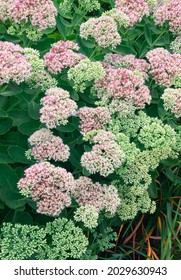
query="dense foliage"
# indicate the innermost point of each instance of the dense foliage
(90, 131)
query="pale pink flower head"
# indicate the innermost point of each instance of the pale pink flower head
(62, 55)
(124, 85)
(134, 9)
(172, 101)
(128, 61)
(88, 193)
(176, 45)
(40, 13)
(103, 136)
(57, 107)
(170, 12)
(13, 64)
(105, 156)
(93, 118)
(103, 30)
(164, 66)
(46, 146)
(49, 186)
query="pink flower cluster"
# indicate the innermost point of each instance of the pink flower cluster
(13, 64)
(40, 13)
(62, 55)
(100, 196)
(93, 118)
(134, 9)
(49, 186)
(128, 61)
(164, 66)
(171, 12)
(122, 84)
(172, 101)
(57, 107)
(46, 146)
(105, 156)
(103, 30)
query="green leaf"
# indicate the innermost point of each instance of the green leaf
(80, 140)
(155, 30)
(167, 38)
(19, 117)
(86, 47)
(162, 113)
(29, 128)
(9, 193)
(152, 190)
(160, 43)
(86, 97)
(170, 162)
(49, 30)
(44, 47)
(88, 44)
(1, 204)
(14, 138)
(4, 102)
(143, 50)
(148, 35)
(123, 49)
(11, 199)
(2, 28)
(22, 217)
(61, 28)
(4, 157)
(65, 22)
(99, 57)
(3, 113)
(85, 172)
(66, 128)
(75, 95)
(5, 125)
(13, 103)
(75, 158)
(17, 154)
(152, 111)
(33, 110)
(172, 177)
(71, 37)
(87, 148)
(10, 90)
(8, 178)
(75, 121)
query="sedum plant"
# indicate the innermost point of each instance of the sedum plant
(22, 242)
(90, 109)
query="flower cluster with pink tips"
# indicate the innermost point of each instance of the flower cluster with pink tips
(165, 67)
(105, 156)
(134, 9)
(40, 13)
(122, 84)
(123, 142)
(120, 18)
(170, 12)
(49, 186)
(88, 193)
(176, 45)
(57, 107)
(128, 61)
(172, 101)
(103, 30)
(46, 146)
(93, 118)
(62, 55)
(13, 64)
